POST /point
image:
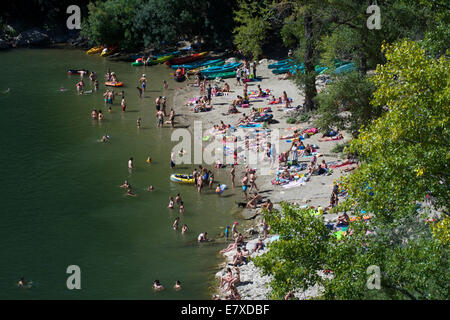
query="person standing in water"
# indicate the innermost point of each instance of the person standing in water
(227, 232)
(245, 185)
(130, 163)
(165, 85)
(158, 103)
(143, 82)
(181, 207)
(170, 206)
(184, 228)
(163, 105)
(232, 174)
(172, 160)
(160, 118)
(138, 122)
(175, 223)
(172, 117)
(123, 104)
(178, 199)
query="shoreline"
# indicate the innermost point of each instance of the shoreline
(316, 191)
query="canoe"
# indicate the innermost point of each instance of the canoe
(200, 69)
(182, 178)
(165, 54)
(162, 59)
(191, 58)
(323, 70)
(279, 64)
(225, 68)
(223, 75)
(180, 77)
(95, 50)
(108, 51)
(345, 68)
(199, 64)
(113, 84)
(77, 71)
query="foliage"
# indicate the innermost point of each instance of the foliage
(295, 258)
(405, 152)
(291, 120)
(413, 265)
(347, 109)
(339, 147)
(252, 27)
(110, 22)
(158, 23)
(441, 230)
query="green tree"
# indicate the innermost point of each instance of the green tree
(404, 156)
(405, 152)
(111, 22)
(252, 26)
(347, 109)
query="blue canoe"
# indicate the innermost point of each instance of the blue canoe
(224, 68)
(289, 68)
(345, 68)
(279, 64)
(196, 65)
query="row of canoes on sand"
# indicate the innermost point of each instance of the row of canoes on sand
(289, 65)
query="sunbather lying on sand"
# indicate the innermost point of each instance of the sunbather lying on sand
(338, 137)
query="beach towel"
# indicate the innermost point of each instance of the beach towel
(251, 125)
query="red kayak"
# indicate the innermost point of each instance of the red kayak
(191, 58)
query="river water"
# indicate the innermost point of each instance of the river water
(60, 203)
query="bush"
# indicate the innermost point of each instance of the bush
(340, 147)
(303, 117)
(291, 120)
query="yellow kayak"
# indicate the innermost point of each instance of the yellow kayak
(95, 50)
(182, 178)
(108, 51)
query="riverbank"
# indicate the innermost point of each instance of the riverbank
(316, 192)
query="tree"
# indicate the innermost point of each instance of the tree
(347, 109)
(404, 156)
(111, 22)
(252, 27)
(295, 258)
(405, 153)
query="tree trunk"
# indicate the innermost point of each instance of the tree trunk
(310, 74)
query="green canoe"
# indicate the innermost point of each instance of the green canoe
(223, 75)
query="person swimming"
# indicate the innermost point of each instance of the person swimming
(177, 285)
(105, 138)
(202, 237)
(126, 184)
(22, 284)
(157, 286)
(151, 188)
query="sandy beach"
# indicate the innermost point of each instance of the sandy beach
(315, 192)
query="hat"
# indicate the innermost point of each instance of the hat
(235, 222)
(143, 74)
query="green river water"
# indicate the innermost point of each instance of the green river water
(60, 200)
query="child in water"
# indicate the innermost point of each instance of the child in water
(170, 203)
